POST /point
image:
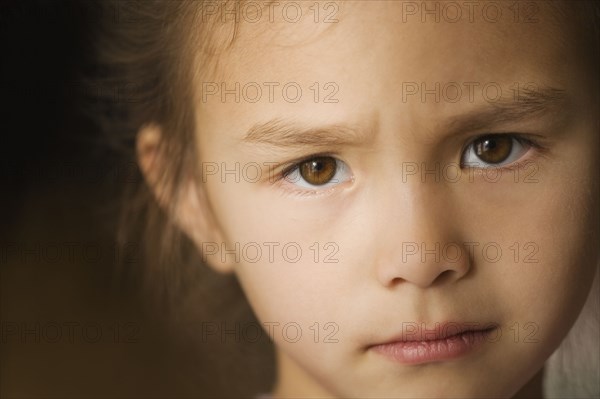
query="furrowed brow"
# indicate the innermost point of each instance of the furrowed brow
(530, 103)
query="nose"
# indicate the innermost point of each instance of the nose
(422, 245)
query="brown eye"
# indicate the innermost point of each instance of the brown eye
(493, 149)
(318, 171)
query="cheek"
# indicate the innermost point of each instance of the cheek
(278, 242)
(568, 253)
(546, 282)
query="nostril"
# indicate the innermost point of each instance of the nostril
(444, 277)
(396, 281)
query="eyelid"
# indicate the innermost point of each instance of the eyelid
(523, 137)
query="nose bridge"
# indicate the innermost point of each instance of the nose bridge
(424, 243)
(424, 211)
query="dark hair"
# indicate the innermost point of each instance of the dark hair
(147, 52)
(143, 53)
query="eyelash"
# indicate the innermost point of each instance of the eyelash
(525, 140)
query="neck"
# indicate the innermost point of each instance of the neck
(533, 389)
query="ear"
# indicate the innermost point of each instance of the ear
(192, 213)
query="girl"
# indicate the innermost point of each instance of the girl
(407, 192)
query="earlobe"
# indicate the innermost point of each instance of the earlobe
(192, 212)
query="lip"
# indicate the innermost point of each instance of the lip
(447, 341)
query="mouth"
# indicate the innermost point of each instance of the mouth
(418, 345)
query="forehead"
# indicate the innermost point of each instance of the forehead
(371, 50)
(269, 32)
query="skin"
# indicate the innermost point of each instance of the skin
(372, 290)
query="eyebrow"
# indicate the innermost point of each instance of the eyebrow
(281, 133)
(530, 103)
(525, 104)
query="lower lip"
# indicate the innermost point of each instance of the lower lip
(418, 352)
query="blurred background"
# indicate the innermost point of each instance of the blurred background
(71, 324)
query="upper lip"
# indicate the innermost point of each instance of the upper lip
(418, 332)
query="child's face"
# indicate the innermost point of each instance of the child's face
(379, 232)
